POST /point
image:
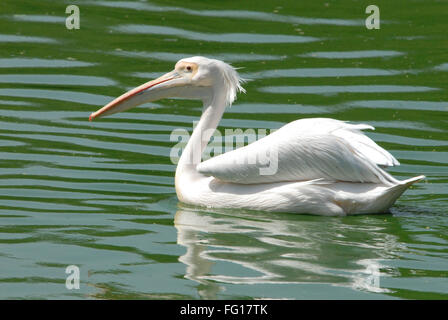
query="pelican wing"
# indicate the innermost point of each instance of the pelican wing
(305, 149)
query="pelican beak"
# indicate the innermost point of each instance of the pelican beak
(157, 89)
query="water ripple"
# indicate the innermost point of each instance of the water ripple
(41, 63)
(62, 95)
(38, 18)
(16, 38)
(56, 79)
(353, 54)
(343, 89)
(70, 173)
(442, 67)
(320, 73)
(174, 57)
(234, 14)
(213, 37)
(401, 105)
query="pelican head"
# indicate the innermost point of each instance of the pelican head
(192, 78)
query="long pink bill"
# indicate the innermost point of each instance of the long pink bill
(124, 102)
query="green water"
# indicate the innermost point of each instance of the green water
(101, 195)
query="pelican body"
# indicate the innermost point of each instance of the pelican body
(315, 166)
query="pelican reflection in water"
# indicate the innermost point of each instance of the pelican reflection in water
(264, 252)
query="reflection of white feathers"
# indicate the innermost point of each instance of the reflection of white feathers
(281, 250)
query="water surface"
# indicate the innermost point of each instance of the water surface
(101, 195)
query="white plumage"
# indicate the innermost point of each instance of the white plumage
(306, 149)
(317, 166)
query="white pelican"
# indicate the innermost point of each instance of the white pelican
(316, 166)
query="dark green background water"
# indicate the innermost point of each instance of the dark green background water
(101, 195)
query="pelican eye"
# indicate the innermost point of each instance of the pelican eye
(188, 68)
